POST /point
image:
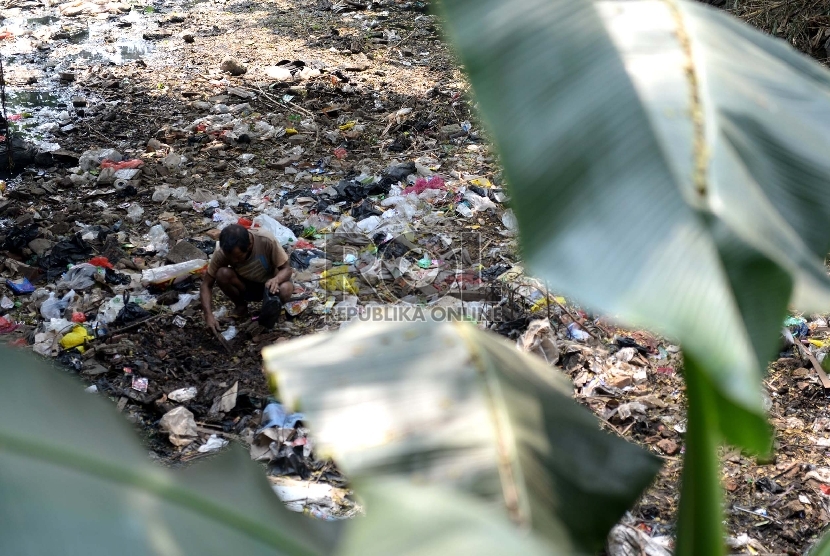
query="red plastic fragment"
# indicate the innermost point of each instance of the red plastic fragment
(100, 261)
(123, 165)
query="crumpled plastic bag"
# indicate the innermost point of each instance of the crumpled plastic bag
(19, 237)
(180, 425)
(284, 235)
(92, 158)
(76, 339)
(369, 224)
(213, 443)
(271, 309)
(347, 233)
(183, 302)
(294, 308)
(53, 308)
(404, 206)
(541, 340)
(45, 343)
(69, 251)
(422, 184)
(624, 540)
(477, 202)
(158, 240)
(7, 326)
(82, 276)
(130, 312)
(225, 217)
(275, 415)
(164, 192)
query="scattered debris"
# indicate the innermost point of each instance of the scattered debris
(140, 139)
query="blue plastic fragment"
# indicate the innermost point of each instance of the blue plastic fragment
(20, 286)
(274, 415)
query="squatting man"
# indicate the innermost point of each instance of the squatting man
(246, 263)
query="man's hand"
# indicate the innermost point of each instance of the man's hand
(211, 324)
(273, 285)
(206, 291)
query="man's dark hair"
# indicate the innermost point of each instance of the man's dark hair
(234, 236)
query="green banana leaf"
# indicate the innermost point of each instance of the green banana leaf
(660, 155)
(447, 404)
(407, 519)
(75, 480)
(821, 548)
(668, 166)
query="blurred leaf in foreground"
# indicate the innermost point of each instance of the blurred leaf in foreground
(447, 404)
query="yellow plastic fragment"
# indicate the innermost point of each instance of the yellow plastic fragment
(77, 338)
(481, 182)
(337, 279)
(544, 303)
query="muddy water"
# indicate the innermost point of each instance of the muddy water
(46, 46)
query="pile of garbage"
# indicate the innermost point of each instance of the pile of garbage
(387, 238)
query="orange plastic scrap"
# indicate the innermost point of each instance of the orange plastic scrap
(5, 35)
(123, 165)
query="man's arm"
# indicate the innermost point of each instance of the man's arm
(280, 260)
(284, 273)
(206, 294)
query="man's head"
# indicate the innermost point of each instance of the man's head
(236, 242)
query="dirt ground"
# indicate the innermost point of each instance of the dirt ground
(331, 90)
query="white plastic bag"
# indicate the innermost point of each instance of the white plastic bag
(283, 234)
(184, 301)
(135, 212)
(369, 224)
(59, 325)
(509, 220)
(477, 202)
(225, 217)
(158, 240)
(53, 307)
(229, 334)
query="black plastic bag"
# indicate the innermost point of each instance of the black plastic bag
(625, 341)
(271, 309)
(19, 237)
(301, 258)
(131, 312)
(364, 210)
(113, 277)
(64, 253)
